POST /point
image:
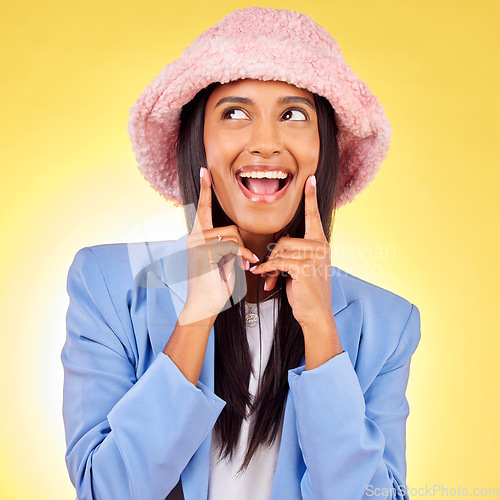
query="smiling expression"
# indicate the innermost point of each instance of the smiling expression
(262, 143)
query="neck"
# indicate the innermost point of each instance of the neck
(259, 245)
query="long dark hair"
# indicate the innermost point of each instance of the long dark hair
(232, 356)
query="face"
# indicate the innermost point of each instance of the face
(261, 143)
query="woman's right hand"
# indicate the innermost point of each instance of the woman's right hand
(211, 263)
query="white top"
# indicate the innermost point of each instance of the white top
(256, 482)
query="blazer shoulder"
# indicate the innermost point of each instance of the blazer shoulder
(380, 306)
(121, 265)
(136, 253)
(120, 251)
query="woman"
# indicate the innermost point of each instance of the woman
(201, 388)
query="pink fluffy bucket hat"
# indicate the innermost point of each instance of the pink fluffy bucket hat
(261, 44)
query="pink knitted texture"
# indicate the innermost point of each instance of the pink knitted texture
(261, 44)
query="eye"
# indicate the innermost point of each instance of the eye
(295, 115)
(234, 114)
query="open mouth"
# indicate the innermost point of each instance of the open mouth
(264, 186)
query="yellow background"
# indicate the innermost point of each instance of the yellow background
(427, 228)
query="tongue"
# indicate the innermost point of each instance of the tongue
(262, 186)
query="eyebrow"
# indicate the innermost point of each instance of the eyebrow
(283, 100)
(296, 98)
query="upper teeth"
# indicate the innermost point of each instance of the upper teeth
(269, 175)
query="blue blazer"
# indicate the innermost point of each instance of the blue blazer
(135, 426)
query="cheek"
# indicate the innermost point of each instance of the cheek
(307, 153)
(219, 148)
(219, 155)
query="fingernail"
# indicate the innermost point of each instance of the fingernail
(202, 172)
(252, 268)
(229, 276)
(247, 265)
(313, 180)
(265, 286)
(256, 257)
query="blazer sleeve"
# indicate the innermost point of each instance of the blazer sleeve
(353, 444)
(127, 438)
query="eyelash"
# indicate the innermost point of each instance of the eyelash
(303, 111)
(225, 113)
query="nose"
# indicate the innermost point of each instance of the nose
(265, 139)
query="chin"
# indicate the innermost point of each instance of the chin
(260, 228)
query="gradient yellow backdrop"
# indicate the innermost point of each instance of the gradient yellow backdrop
(427, 228)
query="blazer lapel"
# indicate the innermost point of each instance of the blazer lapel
(164, 300)
(166, 282)
(161, 316)
(290, 466)
(348, 317)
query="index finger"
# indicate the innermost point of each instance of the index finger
(314, 227)
(203, 219)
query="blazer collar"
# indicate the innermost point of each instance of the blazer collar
(165, 277)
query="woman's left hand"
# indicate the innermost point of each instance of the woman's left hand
(308, 285)
(307, 262)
